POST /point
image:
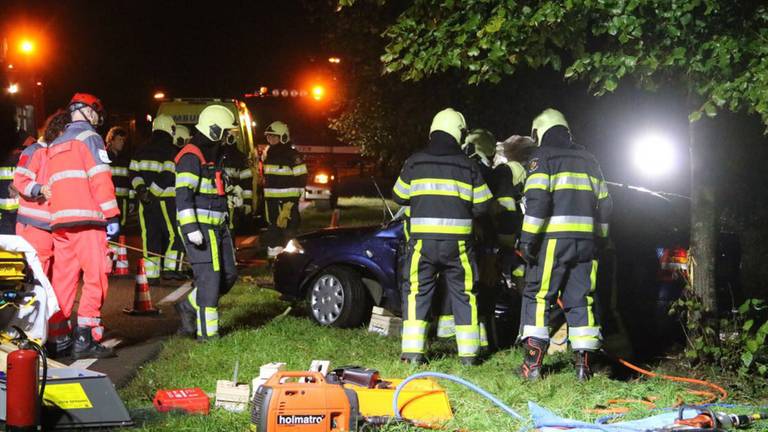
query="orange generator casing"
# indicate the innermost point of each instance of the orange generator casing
(303, 401)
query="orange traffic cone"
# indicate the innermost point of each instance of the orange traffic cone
(121, 265)
(142, 301)
(335, 218)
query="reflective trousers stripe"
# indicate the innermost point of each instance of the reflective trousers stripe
(446, 326)
(214, 250)
(541, 296)
(468, 280)
(414, 280)
(414, 336)
(468, 340)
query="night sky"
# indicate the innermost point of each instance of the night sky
(123, 51)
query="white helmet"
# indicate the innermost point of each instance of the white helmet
(214, 120)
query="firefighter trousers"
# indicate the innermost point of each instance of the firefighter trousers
(567, 268)
(275, 235)
(454, 262)
(215, 272)
(159, 236)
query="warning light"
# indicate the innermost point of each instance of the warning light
(318, 92)
(27, 46)
(13, 88)
(321, 178)
(159, 95)
(263, 90)
(334, 60)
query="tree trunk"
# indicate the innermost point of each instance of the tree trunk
(704, 220)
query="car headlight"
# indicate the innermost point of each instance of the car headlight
(293, 247)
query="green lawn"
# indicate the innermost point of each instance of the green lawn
(257, 331)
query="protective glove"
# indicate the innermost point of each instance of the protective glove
(143, 194)
(113, 229)
(196, 238)
(528, 251)
(285, 215)
(235, 197)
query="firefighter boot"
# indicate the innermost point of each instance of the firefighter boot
(534, 357)
(188, 317)
(413, 358)
(582, 362)
(86, 347)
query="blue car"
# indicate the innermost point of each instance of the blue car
(343, 272)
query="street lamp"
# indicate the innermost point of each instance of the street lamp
(654, 154)
(13, 88)
(334, 60)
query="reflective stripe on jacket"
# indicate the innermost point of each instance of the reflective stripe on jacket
(285, 173)
(565, 195)
(28, 179)
(198, 201)
(80, 179)
(445, 191)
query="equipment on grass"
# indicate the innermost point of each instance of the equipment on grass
(189, 400)
(709, 419)
(315, 405)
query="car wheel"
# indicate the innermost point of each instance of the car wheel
(338, 298)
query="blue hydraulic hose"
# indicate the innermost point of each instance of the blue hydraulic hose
(455, 379)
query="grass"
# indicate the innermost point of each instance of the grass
(257, 331)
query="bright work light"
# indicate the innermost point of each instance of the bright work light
(654, 154)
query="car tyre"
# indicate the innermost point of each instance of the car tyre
(337, 297)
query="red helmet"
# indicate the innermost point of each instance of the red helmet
(82, 100)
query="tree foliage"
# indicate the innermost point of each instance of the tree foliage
(720, 47)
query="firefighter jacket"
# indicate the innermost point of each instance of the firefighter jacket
(152, 166)
(565, 193)
(30, 176)
(9, 201)
(238, 171)
(82, 192)
(444, 189)
(285, 173)
(507, 182)
(201, 200)
(120, 176)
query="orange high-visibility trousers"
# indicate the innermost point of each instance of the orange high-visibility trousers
(81, 248)
(41, 240)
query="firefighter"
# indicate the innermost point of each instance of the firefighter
(201, 201)
(182, 136)
(33, 223)
(240, 190)
(508, 181)
(82, 203)
(480, 146)
(115, 143)
(9, 196)
(566, 217)
(153, 177)
(446, 192)
(285, 177)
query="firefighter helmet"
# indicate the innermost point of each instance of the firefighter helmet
(82, 100)
(182, 135)
(451, 122)
(548, 119)
(280, 129)
(214, 120)
(483, 141)
(164, 123)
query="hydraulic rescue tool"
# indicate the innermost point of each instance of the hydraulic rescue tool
(710, 419)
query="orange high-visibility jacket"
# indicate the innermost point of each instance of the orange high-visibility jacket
(28, 179)
(80, 178)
